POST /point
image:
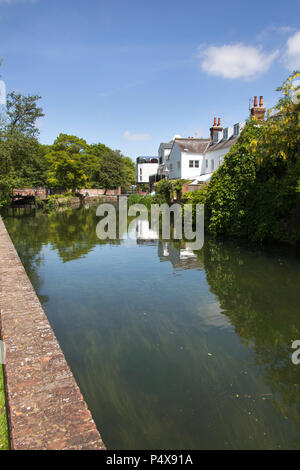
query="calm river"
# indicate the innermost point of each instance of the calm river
(172, 349)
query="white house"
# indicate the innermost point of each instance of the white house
(145, 167)
(163, 155)
(186, 158)
(197, 159)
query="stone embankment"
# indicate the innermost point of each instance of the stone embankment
(45, 407)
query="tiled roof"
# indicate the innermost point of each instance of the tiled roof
(167, 145)
(193, 145)
(222, 144)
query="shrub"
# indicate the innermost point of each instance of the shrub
(255, 193)
(164, 191)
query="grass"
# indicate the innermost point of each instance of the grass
(3, 422)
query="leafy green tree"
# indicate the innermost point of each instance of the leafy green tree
(128, 172)
(110, 173)
(228, 191)
(22, 160)
(22, 113)
(69, 163)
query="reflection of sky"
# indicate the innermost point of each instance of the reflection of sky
(212, 315)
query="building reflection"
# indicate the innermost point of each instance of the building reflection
(177, 252)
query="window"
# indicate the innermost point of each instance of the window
(206, 163)
(216, 137)
(225, 134)
(196, 163)
(178, 165)
(212, 164)
(236, 130)
(141, 172)
(191, 163)
(171, 166)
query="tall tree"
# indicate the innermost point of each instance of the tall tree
(22, 160)
(22, 113)
(109, 174)
(128, 172)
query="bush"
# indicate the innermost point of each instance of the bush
(255, 193)
(164, 191)
(139, 199)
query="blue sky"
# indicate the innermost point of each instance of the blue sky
(131, 74)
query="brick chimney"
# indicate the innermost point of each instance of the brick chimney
(215, 128)
(258, 111)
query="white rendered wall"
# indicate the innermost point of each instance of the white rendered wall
(148, 169)
(184, 172)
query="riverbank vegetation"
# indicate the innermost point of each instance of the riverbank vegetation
(3, 421)
(255, 194)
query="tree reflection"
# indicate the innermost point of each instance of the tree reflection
(259, 293)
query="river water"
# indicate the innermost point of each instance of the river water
(171, 348)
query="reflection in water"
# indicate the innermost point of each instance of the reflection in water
(179, 254)
(171, 348)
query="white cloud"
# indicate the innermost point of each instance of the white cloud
(270, 30)
(292, 54)
(235, 61)
(136, 137)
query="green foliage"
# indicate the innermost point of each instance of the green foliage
(138, 199)
(144, 187)
(228, 191)
(109, 175)
(22, 113)
(164, 191)
(4, 445)
(196, 197)
(128, 173)
(69, 162)
(255, 193)
(22, 160)
(177, 186)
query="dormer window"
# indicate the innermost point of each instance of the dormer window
(225, 134)
(236, 130)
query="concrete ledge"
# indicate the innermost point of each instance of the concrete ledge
(45, 407)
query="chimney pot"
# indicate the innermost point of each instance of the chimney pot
(258, 112)
(215, 121)
(219, 122)
(261, 101)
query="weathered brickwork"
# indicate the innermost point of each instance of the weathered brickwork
(46, 408)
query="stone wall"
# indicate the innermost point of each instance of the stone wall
(40, 192)
(186, 188)
(93, 192)
(46, 410)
